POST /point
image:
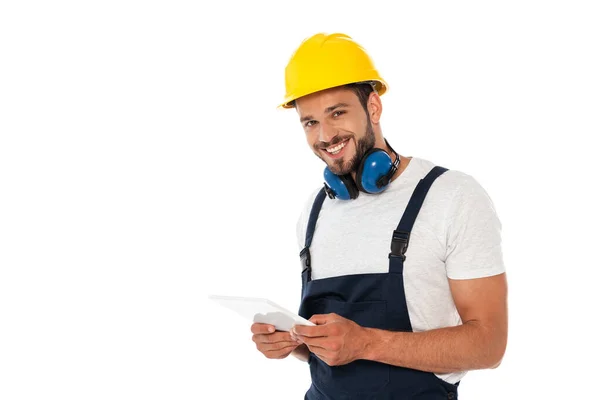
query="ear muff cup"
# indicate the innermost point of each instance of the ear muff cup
(375, 164)
(341, 186)
(350, 185)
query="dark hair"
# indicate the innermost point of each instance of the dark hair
(362, 90)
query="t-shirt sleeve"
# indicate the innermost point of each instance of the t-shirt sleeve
(474, 243)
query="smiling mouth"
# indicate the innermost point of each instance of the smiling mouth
(337, 150)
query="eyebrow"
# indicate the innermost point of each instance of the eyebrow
(327, 111)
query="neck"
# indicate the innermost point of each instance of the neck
(403, 164)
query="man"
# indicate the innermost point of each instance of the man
(402, 268)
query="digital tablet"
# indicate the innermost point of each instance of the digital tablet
(261, 310)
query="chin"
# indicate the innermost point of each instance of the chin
(339, 171)
(340, 166)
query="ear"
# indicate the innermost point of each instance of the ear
(374, 107)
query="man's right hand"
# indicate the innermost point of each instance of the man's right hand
(271, 343)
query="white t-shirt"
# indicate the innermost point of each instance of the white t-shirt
(456, 235)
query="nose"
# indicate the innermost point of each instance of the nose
(326, 132)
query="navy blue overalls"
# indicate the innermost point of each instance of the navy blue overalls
(374, 300)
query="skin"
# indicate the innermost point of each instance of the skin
(274, 344)
(326, 126)
(478, 343)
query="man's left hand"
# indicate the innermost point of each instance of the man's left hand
(335, 339)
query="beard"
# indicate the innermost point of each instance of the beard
(364, 144)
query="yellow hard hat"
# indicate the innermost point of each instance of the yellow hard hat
(324, 61)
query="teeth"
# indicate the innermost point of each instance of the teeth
(336, 149)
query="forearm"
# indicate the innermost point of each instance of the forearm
(301, 353)
(465, 347)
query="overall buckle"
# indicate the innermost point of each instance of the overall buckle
(305, 257)
(399, 244)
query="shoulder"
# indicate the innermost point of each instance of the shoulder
(469, 193)
(468, 201)
(452, 181)
(446, 185)
(419, 167)
(455, 191)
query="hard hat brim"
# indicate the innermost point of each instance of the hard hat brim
(380, 86)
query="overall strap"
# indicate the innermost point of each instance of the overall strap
(401, 235)
(310, 230)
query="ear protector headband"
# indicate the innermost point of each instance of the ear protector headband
(373, 175)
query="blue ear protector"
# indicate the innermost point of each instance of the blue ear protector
(373, 175)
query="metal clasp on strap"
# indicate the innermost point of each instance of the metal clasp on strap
(399, 244)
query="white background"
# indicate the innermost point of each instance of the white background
(144, 166)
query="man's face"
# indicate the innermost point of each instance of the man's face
(337, 128)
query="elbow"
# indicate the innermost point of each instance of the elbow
(496, 364)
(492, 361)
(497, 341)
(495, 357)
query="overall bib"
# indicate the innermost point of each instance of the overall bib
(374, 300)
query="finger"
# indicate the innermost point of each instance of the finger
(264, 347)
(273, 337)
(318, 342)
(281, 353)
(262, 328)
(312, 331)
(294, 337)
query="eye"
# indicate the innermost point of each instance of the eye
(310, 123)
(338, 113)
